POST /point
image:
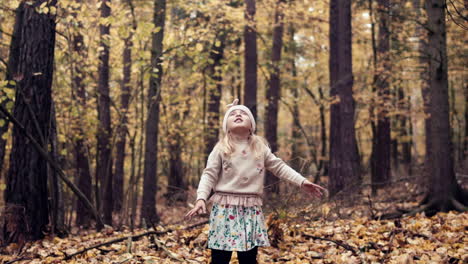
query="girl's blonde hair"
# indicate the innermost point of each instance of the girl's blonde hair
(257, 145)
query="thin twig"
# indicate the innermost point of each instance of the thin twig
(133, 238)
(339, 243)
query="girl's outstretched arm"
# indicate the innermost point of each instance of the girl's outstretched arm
(279, 168)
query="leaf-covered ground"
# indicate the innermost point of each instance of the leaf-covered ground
(324, 232)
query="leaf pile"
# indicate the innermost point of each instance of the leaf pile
(419, 239)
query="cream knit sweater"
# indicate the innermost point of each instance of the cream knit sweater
(242, 173)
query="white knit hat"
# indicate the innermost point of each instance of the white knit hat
(235, 106)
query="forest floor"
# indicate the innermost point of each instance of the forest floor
(344, 230)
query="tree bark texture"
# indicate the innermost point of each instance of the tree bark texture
(27, 210)
(104, 158)
(148, 209)
(214, 92)
(344, 167)
(381, 171)
(273, 94)
(444, 193)
(122, 129)
(83, 173)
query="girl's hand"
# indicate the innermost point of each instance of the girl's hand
(314, 189)
(200, 208)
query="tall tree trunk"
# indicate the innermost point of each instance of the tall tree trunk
(104, 162)
(250, 59)
(122, 130)
(297, 155)
(27, 211)
(444, 193)
(56, 201)
(273, 94)
(465, 143)
(344, 168)
(83, 215)
(381, 161)
(323, 163)
(148, 209)
(214, 91)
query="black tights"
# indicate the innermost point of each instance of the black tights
(223, 257)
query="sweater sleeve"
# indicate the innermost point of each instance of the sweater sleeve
(210, 175)
(281, 170)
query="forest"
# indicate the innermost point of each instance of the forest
(109, 110)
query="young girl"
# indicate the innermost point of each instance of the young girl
(235, 171)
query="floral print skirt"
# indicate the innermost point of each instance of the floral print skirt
(237, 227)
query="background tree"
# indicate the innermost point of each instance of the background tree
(104, 157)
(83, 173)
(444, 193)
(273, 92)
(148, 209)
(126, 95)
(381, 151)
(344, 158)
(250, 58)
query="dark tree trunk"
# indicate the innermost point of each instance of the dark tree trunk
(56, 201)
(148, 209)
(104, 162)
(273, 94)
(83, 215)
(250, 59)
(444, 193)
(27, 211)
(323, 163)
(381, 161)
(465, 143)
(344, 168)
(122, 129)
(214, 92)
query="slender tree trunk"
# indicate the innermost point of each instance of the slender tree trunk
(465, 143)
(344, 157)
(27, 211)
(214, 91)
(297, 156)
(273, 93)
(122, 129)
(148, 209)
(83, 215)
(444, 193)
(323, 163)
(373, 155)
(104, 162)
(56, 201)
(250, 59)
(381, 170)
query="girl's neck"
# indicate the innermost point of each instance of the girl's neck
(236, 138)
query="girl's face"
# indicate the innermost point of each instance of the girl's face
(238, 121)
